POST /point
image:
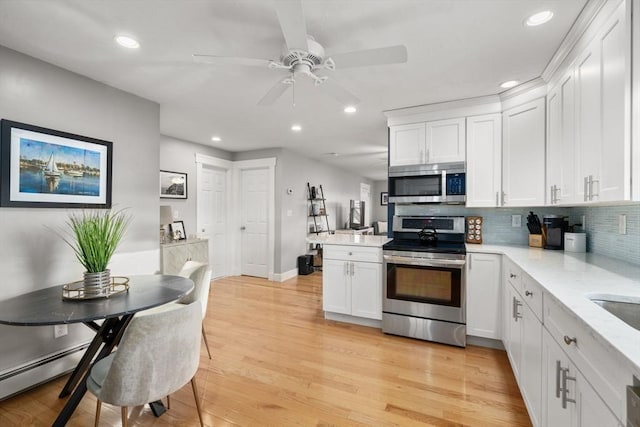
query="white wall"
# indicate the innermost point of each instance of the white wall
(31, 255)
(180, 156)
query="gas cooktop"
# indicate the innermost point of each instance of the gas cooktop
(415, 245)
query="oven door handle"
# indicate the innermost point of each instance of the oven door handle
(425, 262)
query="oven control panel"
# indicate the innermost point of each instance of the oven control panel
(474, 229)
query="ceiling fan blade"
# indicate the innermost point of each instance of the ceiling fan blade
(274, 93)
(343, 96)
(294, 28)
(230, 60)
(379, 56)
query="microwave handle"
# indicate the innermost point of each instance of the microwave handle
(443, 191)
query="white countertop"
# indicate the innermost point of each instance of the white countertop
(572, 278)
(349, 240)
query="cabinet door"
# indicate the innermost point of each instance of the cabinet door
(336, 288)
(523, 154)
(407, 144)
(615, 175)
(554, 361)
(484, 152)
(531, 363)
(445, 141)
(199, 251)
(561, 142)
(513, 329)
(592, 411)
(173, 258)
(483, 295)
(589, 129)
(366, 289)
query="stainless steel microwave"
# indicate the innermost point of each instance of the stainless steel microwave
(433, 183)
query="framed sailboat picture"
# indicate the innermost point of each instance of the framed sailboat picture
(52, 169)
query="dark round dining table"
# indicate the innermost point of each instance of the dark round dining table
(47, 307)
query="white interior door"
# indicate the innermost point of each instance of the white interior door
(213, 194)
(254, 222)
(365, 194)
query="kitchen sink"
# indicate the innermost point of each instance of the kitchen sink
(628, 312)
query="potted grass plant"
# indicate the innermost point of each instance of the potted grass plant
(94, 237)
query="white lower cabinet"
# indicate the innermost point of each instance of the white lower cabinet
(523, 337)
(570, 401)
(350, 286)
(483, 295)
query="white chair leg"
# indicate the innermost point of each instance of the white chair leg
(206, 343)
(195, 395)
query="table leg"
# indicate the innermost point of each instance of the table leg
(83, 365)
(111, 337)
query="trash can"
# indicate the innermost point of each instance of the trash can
(305, 264)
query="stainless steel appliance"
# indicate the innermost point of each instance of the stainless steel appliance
(434, 183)
(425, 285)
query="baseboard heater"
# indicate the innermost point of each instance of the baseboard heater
(39, 371)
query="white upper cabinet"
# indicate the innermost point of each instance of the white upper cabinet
(427, 142)
(407, 144)
(523, 154)
(603, 114)
(561, 142)
(445, 141)
(484, 153)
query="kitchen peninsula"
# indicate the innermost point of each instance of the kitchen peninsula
(352, 277)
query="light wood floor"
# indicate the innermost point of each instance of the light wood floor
(277, 362)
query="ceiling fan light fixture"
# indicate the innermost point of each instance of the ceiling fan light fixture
(539, 18)
(350, 109)
(509, 84)
(126, 41)
(216, 138)
(296, 128)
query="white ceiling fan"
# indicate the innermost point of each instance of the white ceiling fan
(303, 56)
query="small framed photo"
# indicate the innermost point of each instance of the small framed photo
(384, 198)
(173, 185)
(177, 230)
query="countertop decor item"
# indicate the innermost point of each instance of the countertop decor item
(94, 237)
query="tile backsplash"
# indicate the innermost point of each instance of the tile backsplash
(601, 225)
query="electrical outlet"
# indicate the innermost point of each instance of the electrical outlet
(622, 224)
(516, 220)
(60, 331)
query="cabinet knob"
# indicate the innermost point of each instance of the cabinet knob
(528, 293)
(568, 340)
(513, 276)
(350, 253)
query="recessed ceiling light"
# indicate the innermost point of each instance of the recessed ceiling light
(350, 109)
(539, 18)
(216, 139)
(128, 42)
(296, 128)
(509, 84)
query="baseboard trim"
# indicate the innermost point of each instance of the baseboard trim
(36, 372)
(281, 277)
(485, 342)
(362, 321)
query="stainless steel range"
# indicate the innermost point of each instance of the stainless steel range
(424, 285)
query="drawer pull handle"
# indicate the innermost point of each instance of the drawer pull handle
(565, 388)
(528, 293)
(350, 253)
(513, 276)
(568, 340)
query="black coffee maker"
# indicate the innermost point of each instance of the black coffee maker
(555, 226)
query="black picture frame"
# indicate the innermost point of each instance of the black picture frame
(48, 168)
(384, 198)
(177, 230)
(173, 185)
